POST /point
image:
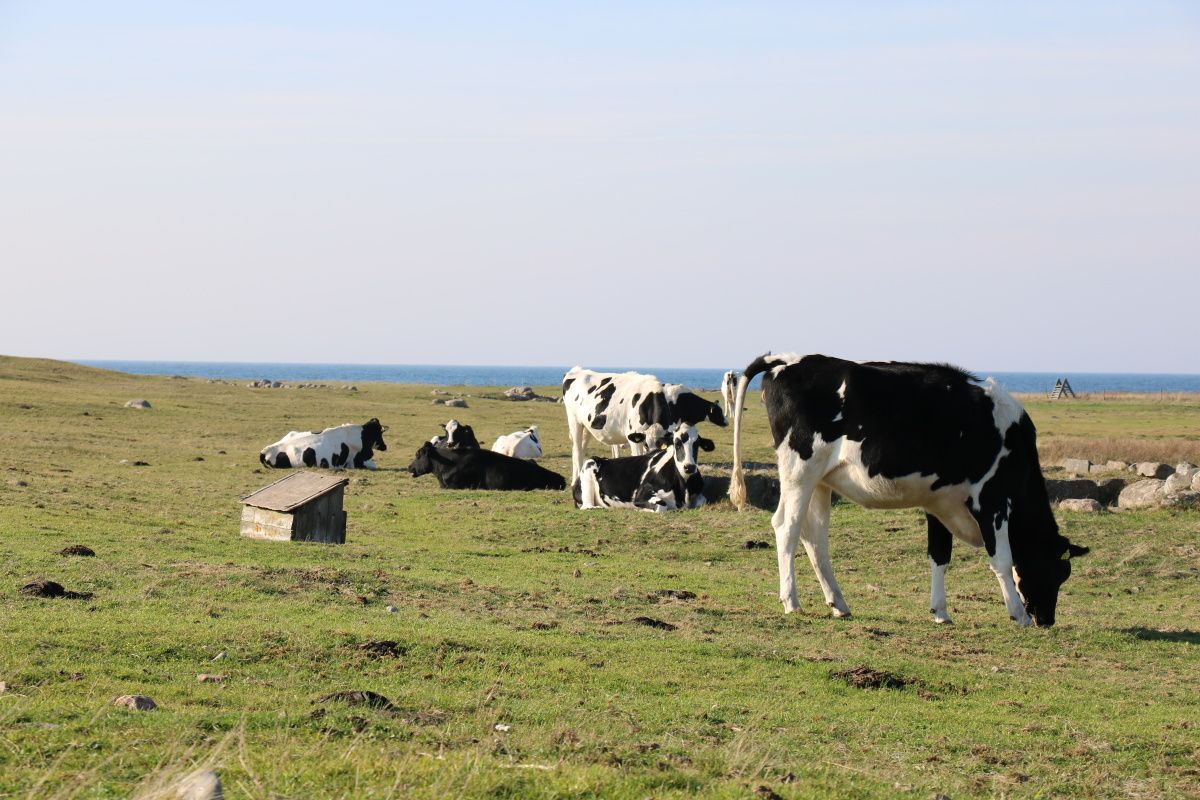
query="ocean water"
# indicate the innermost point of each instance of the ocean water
(465, 375)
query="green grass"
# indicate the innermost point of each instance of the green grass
(516, 609)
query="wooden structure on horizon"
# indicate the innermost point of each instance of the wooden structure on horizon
(1062, 388)
(301, 507)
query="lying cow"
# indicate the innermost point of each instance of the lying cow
(666, 480)
(345, 447)
(456, 437)
(895, 435)
(627, 408)
(728, 391)
(520, 444)
(482, 469)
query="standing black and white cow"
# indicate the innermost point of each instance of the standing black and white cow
(344, 446)
(456, 437)
(728, 391)
(627, 408)
(897, 435)
(665, 480)
(482, 469)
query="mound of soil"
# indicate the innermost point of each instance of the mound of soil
(863, 677)
(654, 623)
(77, 550)
(382, 649)
(51, 589)
(357, 698)
(674, 594)
(751, 544)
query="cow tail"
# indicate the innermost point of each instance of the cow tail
(737, 478)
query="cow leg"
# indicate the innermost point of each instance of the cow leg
(815, 535)
(941, 542)
(578, 444)
(616, 450)
(787, 521)
(1001, 563)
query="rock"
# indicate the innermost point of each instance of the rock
(456, 402)
(1116, 466)
(1177, 483)
(1072, 490)
(3, 687)
(1110, 489)
(391, 609)
(19, 484)
(202, 784)
(1098, 469)
(1086, 506)
(1196, 483)
(1153, 469)
(139, 403)
(354, 388)
(1188, 467)
(1142, 494)
(519, 393)
(438, 391)
(135, 702)
(206, 678)
(437, 402)
(1080, 466)
(1184, 499)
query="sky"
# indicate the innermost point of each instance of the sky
(1009, 186)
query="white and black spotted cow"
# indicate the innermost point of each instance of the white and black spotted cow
(456, 437)
(728, 391)
(666, 480)
(897, 435)
(520, 444)
(345, 446)
(627, 408)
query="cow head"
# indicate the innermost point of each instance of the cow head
(694, 409)
(683, 440)
(1039, 579)
(422, 463)
(457, 437)
(372, 436)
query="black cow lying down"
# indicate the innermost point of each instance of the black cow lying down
(897, 435)
(482, 469)
(665, 480)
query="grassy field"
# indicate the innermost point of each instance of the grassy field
(517, 610)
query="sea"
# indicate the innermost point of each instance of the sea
(697, 378)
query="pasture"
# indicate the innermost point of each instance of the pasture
(518, 667)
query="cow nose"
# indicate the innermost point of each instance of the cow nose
(688, 469)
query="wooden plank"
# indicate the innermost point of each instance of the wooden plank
(294, 491)
(261, 523)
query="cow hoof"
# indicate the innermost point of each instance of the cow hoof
(941, 617)
(790, 606)
(839, 612)
(1024, 620)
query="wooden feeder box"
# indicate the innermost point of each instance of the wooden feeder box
(303, 507)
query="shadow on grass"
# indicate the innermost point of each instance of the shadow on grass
(1153, 635)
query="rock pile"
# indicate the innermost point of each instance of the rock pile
(1160, 486)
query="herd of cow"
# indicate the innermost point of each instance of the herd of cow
(880, 434)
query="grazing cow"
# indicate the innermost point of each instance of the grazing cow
(896, 435)
(520, 444)
(665, 480)
(482, 469)
(627, 408)
(456, 437)
(346, 447)
(728, 391)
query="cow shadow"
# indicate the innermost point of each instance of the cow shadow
(761, 491)
(1153, 635)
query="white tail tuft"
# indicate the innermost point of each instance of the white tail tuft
(737, 479)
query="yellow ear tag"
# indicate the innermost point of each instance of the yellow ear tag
(1066, 556)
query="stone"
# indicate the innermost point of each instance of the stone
(138, 403)
(456, 402)
(3, 687)
(1116, 466)
(135, 702)
(1072, 490)
(1196, 483)
(203, 784)
(1098, 469)
(207, 678)
(1177, 483)
(519, 393)
(1079, 466)
(1110, 489)
(1142, 494)
(436, 402)
(1083, 506)
(1153, 469)
(1186, 466)
(1185, 499)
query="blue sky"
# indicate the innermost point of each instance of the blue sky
(1009, 185)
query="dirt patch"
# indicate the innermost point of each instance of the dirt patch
(382, 649)
(51, 589)
(673, 594)
(650, 622)
(752, 544)
(77, 550)
(863, 677)
(356, 698)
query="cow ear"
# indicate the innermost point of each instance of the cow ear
(707, 445)
(636, 438)
(1078, 550)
